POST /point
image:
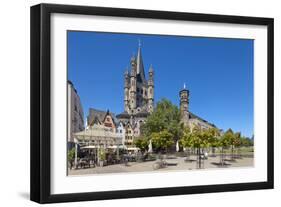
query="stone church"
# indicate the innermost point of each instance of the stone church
(138, 97)
(189, 119)
(139, 104)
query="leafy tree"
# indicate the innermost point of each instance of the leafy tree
(142, 143)
(225, 141)
(166, 116)
(214, 135)
(236, 143)
(162, 140)
(196, 138)
(247, 142)
(71, 156)
(185, 140)
(101, 154)
(163, 123)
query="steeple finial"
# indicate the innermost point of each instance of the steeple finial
(184, 86)
(140, 68)
(150, 68)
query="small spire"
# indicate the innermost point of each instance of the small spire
(133, 58)
(139, 43)
(126, 71)
(150, 68)
(183, 85)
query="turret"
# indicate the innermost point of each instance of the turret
(184, 103)
(150, 96)
(133, 84)
(126, 90)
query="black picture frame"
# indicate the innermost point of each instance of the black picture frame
(41, 96)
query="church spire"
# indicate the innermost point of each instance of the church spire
(140, 68)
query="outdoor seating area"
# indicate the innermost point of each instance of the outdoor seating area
(144, 161)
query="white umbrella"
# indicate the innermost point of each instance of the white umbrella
(112, 147)
(150, 146)
(177, 146)
(89, 147)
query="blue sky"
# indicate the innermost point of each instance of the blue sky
(218, 73)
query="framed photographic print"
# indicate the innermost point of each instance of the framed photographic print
(132, 103)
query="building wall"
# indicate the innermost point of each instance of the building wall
(108, 122)
(75, 114)
(129, 135)
(121, 131)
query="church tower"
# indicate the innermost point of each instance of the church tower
(138, 91)
(151, 90)
(126, 90)
(133, 84)
(184, 103)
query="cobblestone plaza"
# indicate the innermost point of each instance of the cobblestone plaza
(173, 164)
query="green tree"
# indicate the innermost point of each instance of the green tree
(236, 144)
(185, 140)
(162, 140)
(142, 143)
(246, 142)
(166, 116)
(71, 156)
(214, 135)
(196, 138)
(224, 142)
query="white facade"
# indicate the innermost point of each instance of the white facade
(121, 131)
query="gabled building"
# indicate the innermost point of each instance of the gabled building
(99, 117)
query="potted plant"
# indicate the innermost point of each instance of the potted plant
(70, 157)
(101, 157)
